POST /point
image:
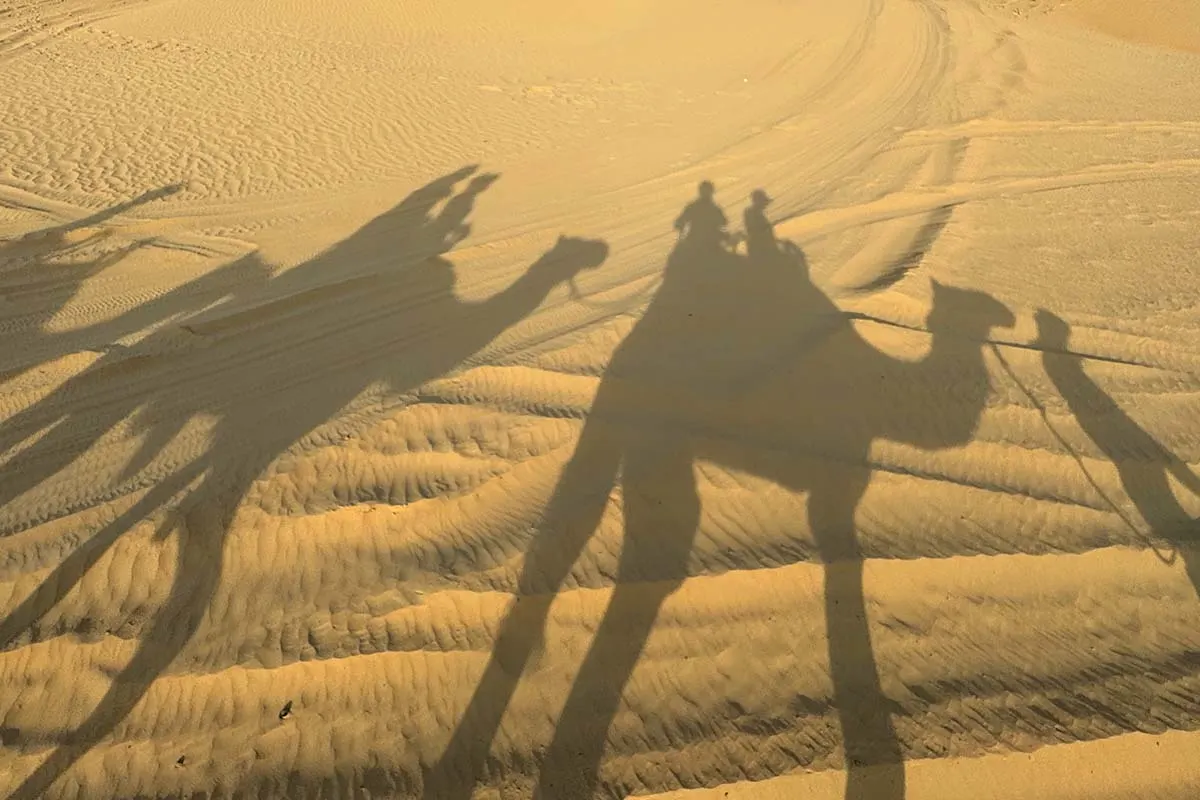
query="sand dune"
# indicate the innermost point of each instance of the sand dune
(743, 400)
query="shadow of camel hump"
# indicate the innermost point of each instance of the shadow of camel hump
(1143, 465)
(282, 359)
(742, 361)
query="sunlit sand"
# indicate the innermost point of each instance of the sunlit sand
(749, 400)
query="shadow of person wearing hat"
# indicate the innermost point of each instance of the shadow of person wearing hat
(759, 232)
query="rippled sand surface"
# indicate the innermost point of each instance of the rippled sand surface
(757, 399)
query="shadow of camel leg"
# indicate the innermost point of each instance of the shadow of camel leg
(1189, 551)
(570, 519)
(197, 574)
(662, 512)
(874, 767)
(61, 443)
(571, 768)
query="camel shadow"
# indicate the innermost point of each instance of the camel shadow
(742, 361)
(1143, 465)
(42, 272)
(274, 362)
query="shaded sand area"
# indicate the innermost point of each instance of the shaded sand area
(747, 399)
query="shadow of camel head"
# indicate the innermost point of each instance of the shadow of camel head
(968, 311)
(482, 182)
(570, 256)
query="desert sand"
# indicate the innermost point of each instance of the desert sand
(757, 399)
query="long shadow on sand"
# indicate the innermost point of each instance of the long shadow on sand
(739, 360)
(1144, 465)
(24, 261)
(276, 361)
(42, 271)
